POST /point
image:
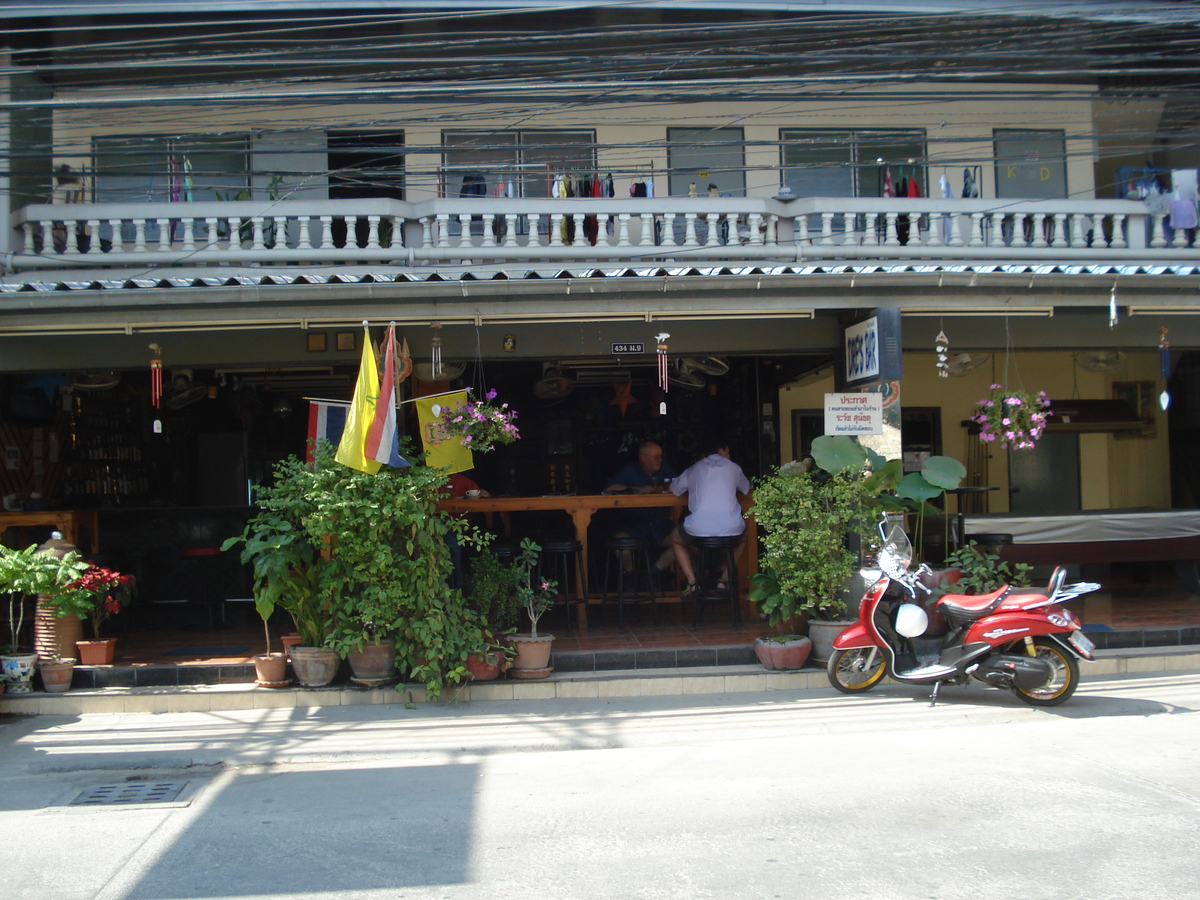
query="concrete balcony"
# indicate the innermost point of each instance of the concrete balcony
(139, 239)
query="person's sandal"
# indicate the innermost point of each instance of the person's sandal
(689, 591)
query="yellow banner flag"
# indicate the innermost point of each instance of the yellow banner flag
(351, 449)
(442, 449)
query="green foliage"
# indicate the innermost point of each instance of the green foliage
(983, 572)
(535, 597)
(491, 589)
(806, 519)
(32, 572)
(356, 558)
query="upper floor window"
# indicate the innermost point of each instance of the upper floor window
(709, 158)
(152, 168)
(1030, 164)
(516, 163)
(828, 163)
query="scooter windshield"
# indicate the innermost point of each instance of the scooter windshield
(897, 552)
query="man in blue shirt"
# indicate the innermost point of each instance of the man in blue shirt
(648, 474)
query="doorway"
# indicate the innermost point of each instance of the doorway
(1045, 479)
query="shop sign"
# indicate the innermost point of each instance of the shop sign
(854, 413)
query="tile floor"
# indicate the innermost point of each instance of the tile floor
(1123, 605)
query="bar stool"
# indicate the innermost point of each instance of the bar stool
(562, 562)
(628, 589)
(204, 560)
(716, 553)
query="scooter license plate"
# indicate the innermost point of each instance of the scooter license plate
(1081, 643)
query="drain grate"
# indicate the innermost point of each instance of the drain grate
(137, 792)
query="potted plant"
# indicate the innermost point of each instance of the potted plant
(101, 592)
(782, 651)
(815, 519)
(23, 574)
(1015, 419)
(491, 592)
(533, 650)
(980, 572)
(270, 669)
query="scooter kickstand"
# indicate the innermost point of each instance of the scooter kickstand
(933, 697)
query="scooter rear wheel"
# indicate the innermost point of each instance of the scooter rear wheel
(857, 670)
(1061, 685)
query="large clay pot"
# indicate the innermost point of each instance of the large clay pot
(314, 666)
(54, 636)
(791, 654)
(18, 671)
(96, 653)
(270, 670)
(56, 674)
(822, 633)
(533, 655)
(374, 664)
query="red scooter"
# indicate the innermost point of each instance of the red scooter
(1020, 639)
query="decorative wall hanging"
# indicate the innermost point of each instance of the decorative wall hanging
(940, 345)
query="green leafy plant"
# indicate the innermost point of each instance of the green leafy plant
(983, 572)
(536, 596)
(33, 572)
(97, 594)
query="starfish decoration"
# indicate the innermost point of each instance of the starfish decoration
(624, 398)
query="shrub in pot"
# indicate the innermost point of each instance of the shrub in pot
(533, 650)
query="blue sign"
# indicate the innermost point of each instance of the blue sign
(638, 347)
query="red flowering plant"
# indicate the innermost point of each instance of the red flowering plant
(481, 424)
(1014, 418)
(99, 593)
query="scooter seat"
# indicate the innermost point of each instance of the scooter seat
(974, 606)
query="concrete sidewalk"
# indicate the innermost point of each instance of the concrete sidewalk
(559, 686)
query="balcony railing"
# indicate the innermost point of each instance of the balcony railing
(636, 232)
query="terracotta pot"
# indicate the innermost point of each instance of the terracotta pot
(533, 655)
(56, 674)
(481, 669)
(53, 636)
(18, 671)
(374, 664)
(96, 653)
(822, 633)
(289, 641)
(270, 670)
(314, 666)
(783, 654)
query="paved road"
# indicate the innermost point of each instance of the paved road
(801, 795)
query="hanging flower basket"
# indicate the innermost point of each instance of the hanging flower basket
(480, 425)
(1015, 419)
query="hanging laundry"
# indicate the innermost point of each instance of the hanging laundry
(914, 187)
(947, 193)
(970, 189)
(610, 189)
(887, 183)
(650, 187)
(1183, 213)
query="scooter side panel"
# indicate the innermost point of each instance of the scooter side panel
(853, 636)
(1002, 627)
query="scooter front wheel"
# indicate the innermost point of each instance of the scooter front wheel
(857, 670)
(1060, 685)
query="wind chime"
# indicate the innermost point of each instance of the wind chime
(1164, 366)
(664, 379)
(156, 378)
(435, 352)
(941, 345)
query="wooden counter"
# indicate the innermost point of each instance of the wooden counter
(68, 521)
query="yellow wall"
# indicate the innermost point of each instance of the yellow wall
(1116, 472)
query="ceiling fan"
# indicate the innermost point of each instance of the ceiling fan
(962, 363)
(553, 385)
(1100, 360)
(95, 381)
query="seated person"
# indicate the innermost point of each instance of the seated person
(647, 474)
(712, 486)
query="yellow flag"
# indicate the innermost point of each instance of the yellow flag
(442, 449)
(350, 451)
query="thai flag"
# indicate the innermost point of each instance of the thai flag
(326, 422)
(382, 439)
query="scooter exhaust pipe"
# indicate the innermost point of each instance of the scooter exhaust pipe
(1008, 670)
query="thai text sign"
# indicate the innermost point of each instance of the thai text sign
(852, 413)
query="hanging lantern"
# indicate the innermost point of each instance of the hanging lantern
(1164, 366)
(941, 346)
(156, 381)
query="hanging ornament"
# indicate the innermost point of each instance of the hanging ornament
(664, 380)
(941, 344)
(156, 381)
(624, 397)
(436, 348)
(1112, 307)
(406, 363)
(1164, 365)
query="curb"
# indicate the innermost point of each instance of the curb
(656, 682)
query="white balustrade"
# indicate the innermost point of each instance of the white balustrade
(731, 231)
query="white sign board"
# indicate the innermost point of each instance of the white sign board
(854, 413)
(862, 350)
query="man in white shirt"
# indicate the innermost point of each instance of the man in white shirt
(712, 486)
